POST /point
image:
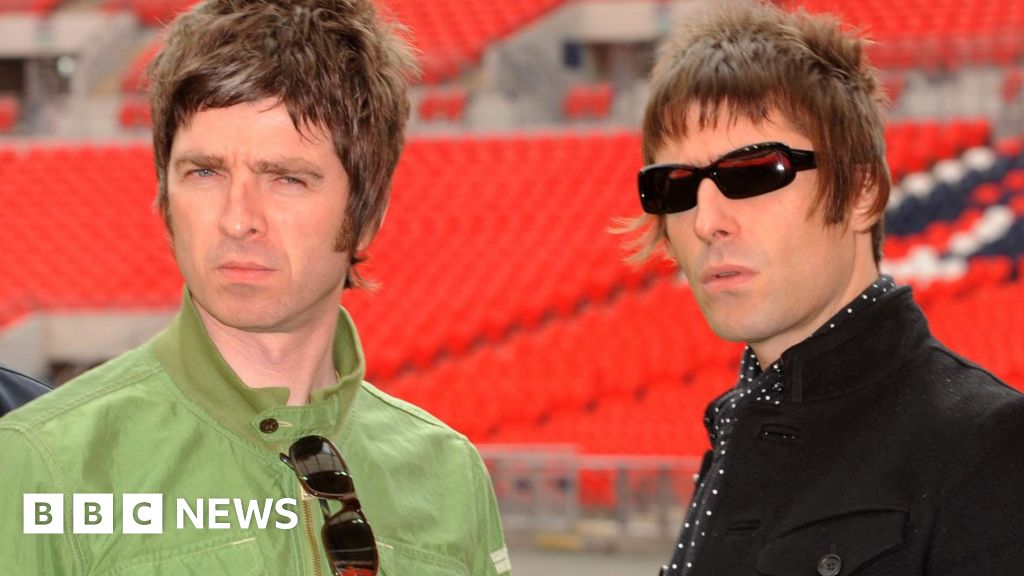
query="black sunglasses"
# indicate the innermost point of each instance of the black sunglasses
(743, 173)
(346, 536)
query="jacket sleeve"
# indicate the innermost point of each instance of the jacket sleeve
(490, 553)
(981, 512)
(27, 468)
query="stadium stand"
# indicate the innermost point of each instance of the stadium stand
(473, 221)
(943, 34)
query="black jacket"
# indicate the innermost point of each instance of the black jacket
(17, 389)
(889, 455)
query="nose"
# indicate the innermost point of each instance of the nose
(242, 215)
(713, 218)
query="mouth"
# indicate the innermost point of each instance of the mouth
(726, 277)
(244, 271)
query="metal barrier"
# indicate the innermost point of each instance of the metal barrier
(600, 501)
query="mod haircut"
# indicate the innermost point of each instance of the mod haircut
(747, 59)
(333, 64)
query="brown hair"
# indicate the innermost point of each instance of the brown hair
(746, 59)
(331, 63)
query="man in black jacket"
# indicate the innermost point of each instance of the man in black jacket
(853, 442)
(17, 389)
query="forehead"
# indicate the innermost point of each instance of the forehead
(701, 143)
(262, 126)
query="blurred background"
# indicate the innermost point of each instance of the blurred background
(504, 307)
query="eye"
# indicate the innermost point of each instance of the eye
(291, 181)
(202, 172)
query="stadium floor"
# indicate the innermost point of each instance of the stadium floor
(532, 562)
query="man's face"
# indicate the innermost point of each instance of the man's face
(764, 270)
(255, 209)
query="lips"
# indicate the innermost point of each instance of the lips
(726, 276)
(244, 271)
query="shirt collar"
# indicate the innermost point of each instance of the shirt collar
(786, 377)
(260, 415)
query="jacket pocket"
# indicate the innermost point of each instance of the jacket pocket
(834, 545)
(235, 557)
(397, 559)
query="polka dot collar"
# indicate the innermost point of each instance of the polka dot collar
(766, 385)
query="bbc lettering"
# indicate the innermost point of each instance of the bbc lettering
(143, 513)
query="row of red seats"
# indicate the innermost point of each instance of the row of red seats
(10, 108)
(604, 352)
(134, 113)
(448, 104)
(79, 230)
(914, 146)
(985, 324)
(40, 7)
(588, 101)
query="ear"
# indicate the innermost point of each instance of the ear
(864, 215)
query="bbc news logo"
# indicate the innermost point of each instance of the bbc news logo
(144, 513)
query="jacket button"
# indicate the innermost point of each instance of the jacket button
(830, 565)
(268, 426)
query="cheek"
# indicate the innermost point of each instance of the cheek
(682, 241)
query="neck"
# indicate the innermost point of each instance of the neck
(769, 350)
(300, 361)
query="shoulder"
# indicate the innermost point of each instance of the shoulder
(412, 428)
(96, 390)
(17, 389)
(391, 408)
(963, 389)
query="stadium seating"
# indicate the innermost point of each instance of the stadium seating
(134, 113)
(505, 307)
(9, 110)
(34, 6)
(448, 104)
(914, 146)
(588, 101)
(939, 34)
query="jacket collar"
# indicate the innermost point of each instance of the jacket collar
(865, 349)
(195, 365)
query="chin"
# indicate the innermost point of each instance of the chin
(243, 315)
(733, 327)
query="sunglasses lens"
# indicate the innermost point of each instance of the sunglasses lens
(665, 190)
(350, 544)
(754, 173)
(321, 468)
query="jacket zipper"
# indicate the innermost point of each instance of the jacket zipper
(311, 535)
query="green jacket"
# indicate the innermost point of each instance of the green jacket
(172, 418)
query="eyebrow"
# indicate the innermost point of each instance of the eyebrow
(286, 166)
(201, 160)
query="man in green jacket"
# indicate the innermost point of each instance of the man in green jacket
(277, 127)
